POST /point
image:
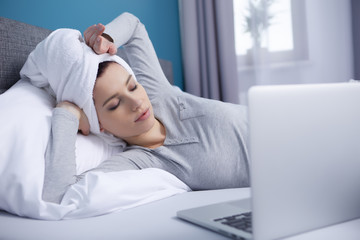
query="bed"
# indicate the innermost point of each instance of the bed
(153, 220)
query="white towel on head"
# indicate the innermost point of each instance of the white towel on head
(63, 64)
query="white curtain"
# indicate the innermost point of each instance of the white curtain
(208, 48)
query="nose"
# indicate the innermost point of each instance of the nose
(135, 103)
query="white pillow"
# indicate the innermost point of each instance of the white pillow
(91, 150)
(25, 128)
(24, 133)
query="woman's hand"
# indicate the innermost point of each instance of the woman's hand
(84, 125)
(100, 43)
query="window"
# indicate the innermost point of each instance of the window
(270, 31)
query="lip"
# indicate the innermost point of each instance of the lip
(145, 115)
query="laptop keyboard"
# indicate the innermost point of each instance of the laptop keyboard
(239, 221)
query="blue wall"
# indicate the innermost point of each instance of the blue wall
(160, 17)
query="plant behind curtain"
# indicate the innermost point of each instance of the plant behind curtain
(292, 42)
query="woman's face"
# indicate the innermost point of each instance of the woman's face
(122, 105)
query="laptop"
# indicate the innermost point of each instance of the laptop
(305, 163)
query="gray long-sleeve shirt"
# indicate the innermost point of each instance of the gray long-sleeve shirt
(205, 143)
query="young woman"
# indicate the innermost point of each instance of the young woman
(200, 141)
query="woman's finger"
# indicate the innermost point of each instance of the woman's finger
(92, 40)
(99, 47)
(89, 32)
(99, 29)
(112, 49)
(84, 125)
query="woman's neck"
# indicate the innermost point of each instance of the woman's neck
(152, 139)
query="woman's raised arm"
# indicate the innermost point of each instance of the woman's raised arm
(127, 31)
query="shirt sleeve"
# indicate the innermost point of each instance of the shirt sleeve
(130, 159)
(127, 31)
(60, 160)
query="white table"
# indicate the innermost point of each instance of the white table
(155, 220)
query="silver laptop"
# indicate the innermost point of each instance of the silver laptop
(305, 163)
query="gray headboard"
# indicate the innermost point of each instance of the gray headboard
(18, 39)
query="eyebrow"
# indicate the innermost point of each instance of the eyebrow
(116, 94)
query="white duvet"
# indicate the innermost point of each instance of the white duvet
(25, 124)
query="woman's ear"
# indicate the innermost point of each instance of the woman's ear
(101, 128)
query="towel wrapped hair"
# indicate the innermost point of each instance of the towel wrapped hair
(67, 68)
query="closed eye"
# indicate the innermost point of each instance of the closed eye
(112, 108)
(134, 88)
